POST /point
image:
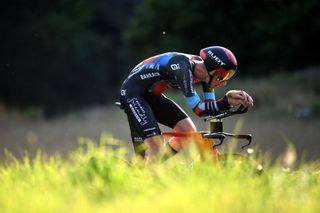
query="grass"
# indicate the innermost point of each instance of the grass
(99, 179)
(96, 178)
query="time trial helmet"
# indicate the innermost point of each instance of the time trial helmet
(219, 61)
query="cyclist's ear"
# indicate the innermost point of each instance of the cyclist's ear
(200, 72)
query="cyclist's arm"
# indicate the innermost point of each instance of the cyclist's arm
(183, 75)
(210, 99)
(202, 108)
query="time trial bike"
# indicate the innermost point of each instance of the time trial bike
(208, 141)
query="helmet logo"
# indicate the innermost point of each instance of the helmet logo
(216, 58)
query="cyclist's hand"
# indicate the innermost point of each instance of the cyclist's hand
(237, 97)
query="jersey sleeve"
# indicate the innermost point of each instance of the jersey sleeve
(210, 106)
(182, 71)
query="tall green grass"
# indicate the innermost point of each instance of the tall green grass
(100, 179)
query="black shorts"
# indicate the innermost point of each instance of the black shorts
(146, 111)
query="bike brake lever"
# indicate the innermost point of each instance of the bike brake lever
(218, 144)
(247, 137)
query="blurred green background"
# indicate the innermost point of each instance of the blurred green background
(59, 57)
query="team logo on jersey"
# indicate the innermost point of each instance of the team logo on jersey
(138, 111)
(175, 66)
(123, 92)
(152, 66)
(149, 75)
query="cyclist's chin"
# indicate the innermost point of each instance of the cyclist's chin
(216, 86)
(216, 83)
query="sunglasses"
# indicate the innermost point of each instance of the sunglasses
(221, 74)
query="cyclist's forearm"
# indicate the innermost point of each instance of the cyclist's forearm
(209, 106)
(209, 94)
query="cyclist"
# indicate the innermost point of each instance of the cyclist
(141, 94)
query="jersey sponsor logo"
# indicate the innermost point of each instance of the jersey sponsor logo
(143, 66)
(149, 129)
(149, 75)
(185, 83)
(151, 134)
(188, 83)
(191, 81)
(175, 66)
(137, 139)
(135, 70)
(123, 92)
(152, 66)
(216, 58)
(138, 111)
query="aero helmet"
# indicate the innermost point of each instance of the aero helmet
(219, 61)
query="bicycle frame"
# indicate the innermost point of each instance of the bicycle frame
(216, 129)
(205, 145)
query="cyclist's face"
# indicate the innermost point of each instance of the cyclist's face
(219, 77)
(215, 83)
(201, 74)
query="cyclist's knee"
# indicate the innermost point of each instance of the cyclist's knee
(154, 144)
(185, 125)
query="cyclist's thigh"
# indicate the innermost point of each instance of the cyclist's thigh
(166, 111)
(141, 115)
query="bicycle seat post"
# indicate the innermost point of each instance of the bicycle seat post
(216, 125)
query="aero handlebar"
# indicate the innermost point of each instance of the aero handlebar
(223, 114)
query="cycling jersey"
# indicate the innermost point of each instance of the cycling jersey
(161, 72)
(154, 76)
